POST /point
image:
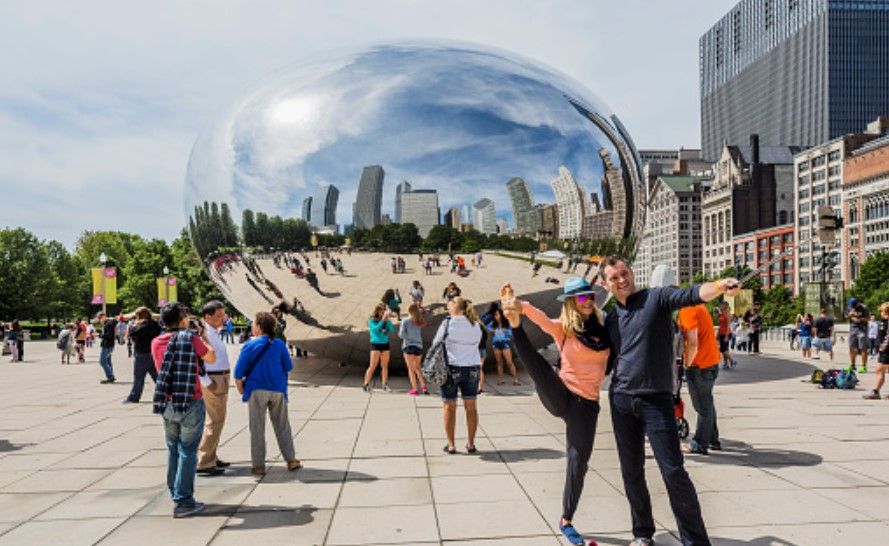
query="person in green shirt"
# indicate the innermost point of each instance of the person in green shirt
(380, 326)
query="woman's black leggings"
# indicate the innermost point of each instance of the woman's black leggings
(580, 416)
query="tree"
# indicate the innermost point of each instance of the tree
(26, 282)
(69, 292)
(442, 237)
(248, 228)
(142, 270)
(779, 307)
(193, 285)
(872, 284)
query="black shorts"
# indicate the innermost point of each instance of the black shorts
(413, 350)
(382, 347)
(724, 342)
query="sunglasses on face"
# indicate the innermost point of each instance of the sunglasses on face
(583, 298)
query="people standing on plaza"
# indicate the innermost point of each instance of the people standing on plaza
(106, 346)
(882, 354)
(12, 339)
(501, 335)
(857, 314)
(261, 372)
(806, 327)
(65, 343)
(451, 291)
(312, 279)
(216, 393)
(229, 331)
(80, 340)
(742, 336)
(142, 332)
(392, 299)
(380, 327)
(725, 335)
(823, 329)
(410, 332)
(417, 293)
(873, 332)
(179, 355)
(754, 323)
(572, 392)
(461, 345)
(641, 331)
(733, 327)
(701, 363)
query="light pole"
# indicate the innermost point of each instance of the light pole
(166, 285)
(103, 258)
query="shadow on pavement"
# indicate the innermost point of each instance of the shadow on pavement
(6, 446)
(718, 541)
(260, 517)
(317, 475)
(518, 455)
(752, 369)
(742, 453)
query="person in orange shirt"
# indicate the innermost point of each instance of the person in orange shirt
(701, 361)
(571, 392)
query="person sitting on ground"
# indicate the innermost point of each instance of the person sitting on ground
(261, 374)
(451, 291)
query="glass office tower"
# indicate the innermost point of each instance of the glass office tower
(795, 72)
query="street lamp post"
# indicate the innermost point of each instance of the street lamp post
(166, 285)
(103, 258)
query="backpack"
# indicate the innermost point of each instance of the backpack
(62, 342)
(817, 376)
(435, 365)
(846, 379)
(828, 379)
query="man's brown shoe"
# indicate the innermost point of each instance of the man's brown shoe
(294, 464)
(258, 470)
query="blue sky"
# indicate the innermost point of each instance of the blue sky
(101, 101)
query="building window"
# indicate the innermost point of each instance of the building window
(788, 237)
(804, 167)
(818, 161)
(782, 217)
(834, 155)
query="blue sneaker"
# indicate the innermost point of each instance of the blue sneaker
(571, 534)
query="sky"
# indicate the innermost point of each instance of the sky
(102, 101)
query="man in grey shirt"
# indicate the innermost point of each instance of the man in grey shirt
(641, 332)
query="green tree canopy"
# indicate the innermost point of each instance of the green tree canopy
(872, 284)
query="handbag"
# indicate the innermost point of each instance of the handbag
(435, 365)
(251, 365)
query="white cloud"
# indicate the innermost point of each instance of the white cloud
(101, 101)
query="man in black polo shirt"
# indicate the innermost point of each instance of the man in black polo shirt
(641, 332)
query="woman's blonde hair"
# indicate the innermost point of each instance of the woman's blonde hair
(572, 320)
(465, 308)
(884, 307)
(142, 313)
(378, 311)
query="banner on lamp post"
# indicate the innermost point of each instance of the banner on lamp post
(104, 285)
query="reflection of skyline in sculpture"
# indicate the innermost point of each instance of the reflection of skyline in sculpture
(400, 189)
(307, 209)
(484, 216)
(368, 204)
(526, 221)
(323, 207)
(617, 197)
(570, 198)
(463, 122)
(420, 207)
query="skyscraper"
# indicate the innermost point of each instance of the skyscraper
(522, 206)
(307, 209)
(420, 207)
(570, 198)
(404, 187)
(368, 204)
(324, 203)
(796, 72)
(484, 218)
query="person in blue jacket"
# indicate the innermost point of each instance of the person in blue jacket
(261, 376)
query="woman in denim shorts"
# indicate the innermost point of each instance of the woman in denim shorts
(411, 336)
(464, 332)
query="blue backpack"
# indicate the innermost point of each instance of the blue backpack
(846, 379)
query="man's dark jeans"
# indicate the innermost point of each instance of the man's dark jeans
(634, 418)
(143, 364)
(700, 389)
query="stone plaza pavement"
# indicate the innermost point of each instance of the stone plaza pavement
(800, 466)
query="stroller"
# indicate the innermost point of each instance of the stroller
(678, 404)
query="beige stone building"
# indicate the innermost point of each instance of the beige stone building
(673, 226)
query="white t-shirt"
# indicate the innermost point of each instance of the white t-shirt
(218, 345)
(873, 329)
